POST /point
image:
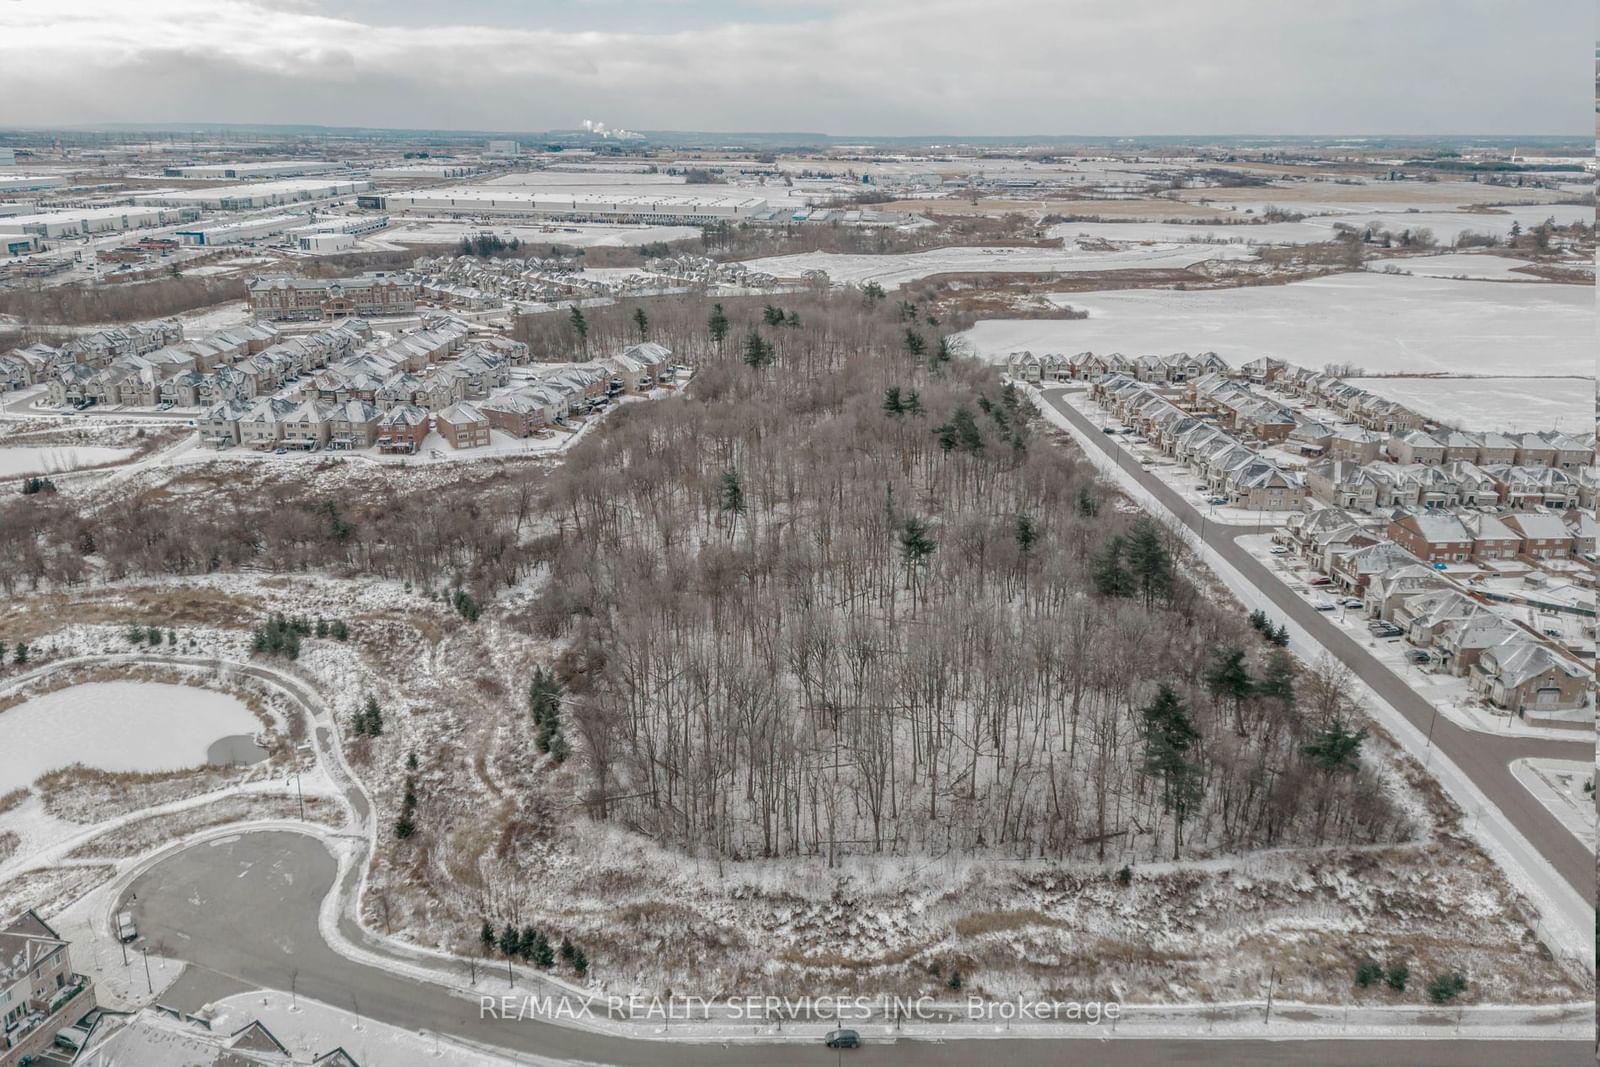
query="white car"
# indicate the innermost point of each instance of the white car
(1279, 550)
(1323, 605)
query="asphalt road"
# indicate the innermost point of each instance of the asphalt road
(243, 911)
(1485, 758)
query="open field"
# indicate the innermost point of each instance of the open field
(892, 271)
(1380, 323)
(1308, 195)
(1447, 226)
(1494, 403)
(55, 459)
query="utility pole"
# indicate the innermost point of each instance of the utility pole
(1271, 982)
(151, 986)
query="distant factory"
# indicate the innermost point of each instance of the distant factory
(256, 195)
(81, 222)
(286, 168)
(666, 209)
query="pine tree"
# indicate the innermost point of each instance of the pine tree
(1026, 533)
(1229, 680)
(22, 653)
(912, 404)
(580, 963)
(892, 402)
(772, 315)
(871, 293)
(580, 326)
(944, 353)
(1169, 735)
(730, 494)
(566, 950)
(404, 826)
(717, 326)
(528, 944)
(486, 936)
(1334, 748)
(322, 626)
(1110, 577)
(1148, 560)
(1088, 506)
(374, 717)
(411, 761)
(757, 352)
(1277, 679)
(641, 322)
(915, 344)
(509, 940)
(543, 956)
(968, 437)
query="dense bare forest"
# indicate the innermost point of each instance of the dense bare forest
(840, 596)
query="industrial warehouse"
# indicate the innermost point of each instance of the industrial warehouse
(572, 207)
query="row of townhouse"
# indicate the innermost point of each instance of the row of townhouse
(194, 374)
(1405, 436)
(38, 363)
(1380, 487)
(1504, 663)
(1435, 536)
(1087, 366)
(1239, 408)
(1548, 448)
(347, 408)
(1225, 464)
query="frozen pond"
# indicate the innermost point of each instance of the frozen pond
(117, 726)
(1503, 404)
(891, 271)
(1385, 324)
(52, 459)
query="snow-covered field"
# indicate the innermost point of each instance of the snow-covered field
(420, 231)
(1446, 225)
(891, 271)
(52, 459)
(1378, 322)
(1504, 404)
(1459, 265)
(116, 726)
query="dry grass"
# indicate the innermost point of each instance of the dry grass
(13, 799)
(1421, 194)
(8, 844)
(28, 618)
(989, 922)
(87, 795)
(1149, 209)
(144, 834)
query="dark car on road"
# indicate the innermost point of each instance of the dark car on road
(843, 1039)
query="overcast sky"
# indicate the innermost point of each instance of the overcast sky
(913, 67)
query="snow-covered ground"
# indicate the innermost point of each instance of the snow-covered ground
(1446, 225)
(1477, 266)
(1378, 322)
(1503, 404)
(116, 726)
(892, 271)
(423, 231)
(54, 458)
(1566, 788)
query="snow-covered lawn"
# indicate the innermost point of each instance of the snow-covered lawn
(56, 458)
(892, 271)
(1446, 225)
(1378, 322)
(1504, 404)
(116, 726)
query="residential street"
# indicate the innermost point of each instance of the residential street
(1484, 758)
(244, 910)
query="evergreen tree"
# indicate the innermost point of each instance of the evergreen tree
(580, 963)
(944, 353)
(772, 315)
(21, 658)
(1026, 533)
(172, 637)
(1229, 681)
(730, 494)
(1148, 560)
(1334, 748)
(404, 826)
(322, 626)
(641, 322)
(912, 404)
(1277, 679)
(757, 351)
(374, 717)
(580, 326)
(1399, 974)
(1110, 577)
(968, 437)
(1446, 988)
(510, 939)
(915, 344)
(1368, 973)
(916, 543)
(871, 293)
(892, 402)
(945, 435)
(338, 630)
(528, 944)
(1088, 506)
(717, 326)
(411, 761)
(566, 950)
(486, 936)
(1169, 735)
(542, 955)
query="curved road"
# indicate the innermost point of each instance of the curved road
(242, 910)
(1485, 758)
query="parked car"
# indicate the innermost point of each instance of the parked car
(1321, 579)
(1217, 500)
(843, 1039)
(1384, 629)
(1108, 429)
(1552, 633)
(1350, 602)
(1323, 605)
(1279, 550)
(280, 451)
(126, 931)
(1417, 655)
